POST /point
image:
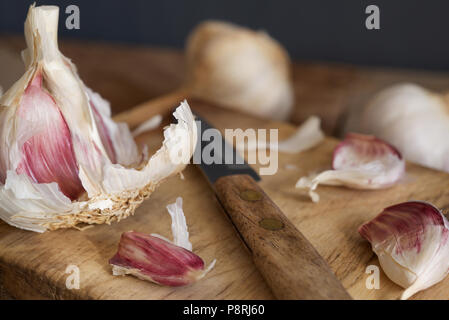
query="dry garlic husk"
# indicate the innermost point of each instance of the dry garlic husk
(240, 69)
(157, 259)
(411, 118)
(148, 125)
(360, 162)
(64, 161)
(307, 136)
(411, 242)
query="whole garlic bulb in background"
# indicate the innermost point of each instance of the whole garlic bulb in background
(413, 119)
(63, 160)
(239, 68)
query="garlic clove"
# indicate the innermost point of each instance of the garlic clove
(411, 242)
(157, 259)
(307, 136)
(154, 259)
(64, 161)
(360, 162)
(43, 139)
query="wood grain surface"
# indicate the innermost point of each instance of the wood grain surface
(33, 265)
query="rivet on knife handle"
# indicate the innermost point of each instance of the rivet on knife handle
(289, 263)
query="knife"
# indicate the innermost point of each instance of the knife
(288, 262)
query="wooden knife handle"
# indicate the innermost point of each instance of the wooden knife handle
(289, 263)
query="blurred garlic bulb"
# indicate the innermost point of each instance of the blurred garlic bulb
(64, 161)
(413, 119)
(239, 68)
(233, 67)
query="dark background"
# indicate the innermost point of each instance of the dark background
(413, 34)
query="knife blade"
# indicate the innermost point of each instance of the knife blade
(232, 163)
(288, 262)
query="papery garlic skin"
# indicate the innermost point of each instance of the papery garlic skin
(411, 242)
(44, 142)
(307, 136)
(148, 125)
(179, 225)
(64, 161)
(359, 162)
(240, 69)
(411, 118)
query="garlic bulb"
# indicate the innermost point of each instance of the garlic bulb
(64, 161)
(413, 119)
(411, 241)
(360, 162)
(239, 68)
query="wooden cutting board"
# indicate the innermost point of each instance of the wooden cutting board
(34, 265)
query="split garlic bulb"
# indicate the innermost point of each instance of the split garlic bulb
(413, 119)
(240, 69)
(64, 161)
